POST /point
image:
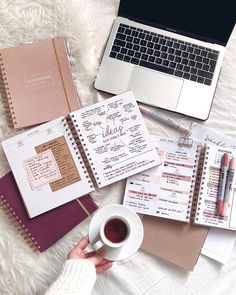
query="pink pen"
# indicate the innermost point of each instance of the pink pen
(229, 186)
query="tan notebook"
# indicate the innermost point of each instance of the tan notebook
(36, 82)
(177, 242)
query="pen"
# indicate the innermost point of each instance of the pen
(221, 189)
(229, 186)
(167, 121)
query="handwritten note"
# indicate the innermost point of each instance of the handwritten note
(41, 169)
(164, 191)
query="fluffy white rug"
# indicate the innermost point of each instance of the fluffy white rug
(86, 25)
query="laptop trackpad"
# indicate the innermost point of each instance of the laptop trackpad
(155, 88)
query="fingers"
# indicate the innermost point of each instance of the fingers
(82, 244)
(97, 257)
(103, 267)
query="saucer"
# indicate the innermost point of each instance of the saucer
(136, 231)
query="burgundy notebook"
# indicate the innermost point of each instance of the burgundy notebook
(44, 230)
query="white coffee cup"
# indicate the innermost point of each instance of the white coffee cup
(114, 232)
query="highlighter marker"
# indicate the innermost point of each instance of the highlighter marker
(229, 186)
(221, 189)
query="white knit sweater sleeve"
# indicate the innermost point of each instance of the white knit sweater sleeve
(77, 276)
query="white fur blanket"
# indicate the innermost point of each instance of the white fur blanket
(86, 25)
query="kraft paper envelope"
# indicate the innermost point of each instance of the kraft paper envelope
(174, 241)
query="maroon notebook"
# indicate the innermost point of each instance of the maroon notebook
(43, 230)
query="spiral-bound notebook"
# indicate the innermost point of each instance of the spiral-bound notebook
(36, 82)
(63, 159)
(42, 231)
(184, 187)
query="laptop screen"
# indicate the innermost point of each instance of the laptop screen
(205, 19)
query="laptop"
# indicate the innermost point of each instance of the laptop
(169, 53)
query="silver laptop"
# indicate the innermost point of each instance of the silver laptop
(169, 53)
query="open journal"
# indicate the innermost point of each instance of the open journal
(68, 157)
(184, 187)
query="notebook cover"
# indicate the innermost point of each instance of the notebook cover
(39, 81)
(45, 229)
(174, 241)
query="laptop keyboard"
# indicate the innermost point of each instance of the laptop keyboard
(164, 54)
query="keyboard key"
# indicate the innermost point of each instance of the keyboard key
(120, 56)
(171, 57)
(193, 71)
(150, 44)
(124, 50)
(183, 47)
(191, 56)
(179, 67)
(113, 54)
(129, 38)
(121, 30)
(130, 53)
(204, 53)
(120, 36)
(172, 64)
(139, 30)
(144, 56)
(157, 46)
(143, 49)
(205, 74)
(157, 53)
(184, 54)
(198, 58)
(164, 48)
(151, 58)
(158, 60)
(143, 43)
(148, 37)
(127, 31)
(193, 77)
(212, 55)
(190, 49)
(162, 41)
(150, 51)
(178, 73)
(198, 65)
(156, 67)
(169, 43)
(115, 48)
(137, 54)
(176, 45)
(119, 43)
(184, 61)
(205, 68)
(165, 63)
(205, 60)
(127, 58)
(163, 55)
(136, 47)
(191, 63)
(200, 79)
(178, 52)
(171, 50)
(134, 61)
(136, 41)
(124, 26)
(141, 35)
(186, 76)
(134, 33)
(177, 59)
(207, 82)
(186, 69)
(129, 45)
(155, 39)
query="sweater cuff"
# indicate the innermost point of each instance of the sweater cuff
(77, 276)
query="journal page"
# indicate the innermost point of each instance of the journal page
(166, 190)
(115, 138)
(206, 213)
(46, 167)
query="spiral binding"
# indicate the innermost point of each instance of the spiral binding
(77, 146)
(201, 160)
(6, 95)
(19, 226)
